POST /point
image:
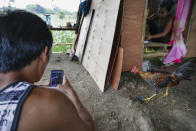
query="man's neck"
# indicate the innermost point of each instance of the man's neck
(8, 78)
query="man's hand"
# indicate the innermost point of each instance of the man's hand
(67, 89)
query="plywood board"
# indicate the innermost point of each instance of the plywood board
(132, 33)
(99, 46)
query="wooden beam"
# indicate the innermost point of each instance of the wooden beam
(154, 44)
(116, 74)
(144, 26)
(54, 44)
(156, 54)
(62, 28)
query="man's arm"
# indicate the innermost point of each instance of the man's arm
(83, 113)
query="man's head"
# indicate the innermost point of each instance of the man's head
(24, 39)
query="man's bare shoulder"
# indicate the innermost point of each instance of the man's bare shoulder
(47, 109)
(47, 95)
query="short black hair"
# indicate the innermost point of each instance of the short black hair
(167, 4)
(23, 37)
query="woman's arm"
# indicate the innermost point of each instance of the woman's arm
(164, 33)
(152, 17)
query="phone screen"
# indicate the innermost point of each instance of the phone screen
(56, 78)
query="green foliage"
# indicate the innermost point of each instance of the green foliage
(50, 11)
(62, 37)
(56, 21)
(61, 48)
(36, 9)
(56, 9)
(150, 50)
(3, 9)
(61, 14)
(74, 14)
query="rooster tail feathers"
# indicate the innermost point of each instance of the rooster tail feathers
(185, 71)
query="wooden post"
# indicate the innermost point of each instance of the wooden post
(132, 33)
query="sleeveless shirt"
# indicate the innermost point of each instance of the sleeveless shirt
(12, 98)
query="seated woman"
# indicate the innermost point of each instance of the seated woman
(161, 25)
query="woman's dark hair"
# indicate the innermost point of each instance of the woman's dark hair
(167, 4)
(23, 37)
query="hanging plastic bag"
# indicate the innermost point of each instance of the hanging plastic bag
(178, 50)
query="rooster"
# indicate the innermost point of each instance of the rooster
(165, 80)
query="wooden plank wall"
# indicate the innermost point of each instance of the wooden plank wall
(99, 46)
(192, 39)
(132, 32)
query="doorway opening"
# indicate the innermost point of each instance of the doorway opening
(60, 16)
(160, 15)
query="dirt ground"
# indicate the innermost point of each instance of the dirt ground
(121, 110)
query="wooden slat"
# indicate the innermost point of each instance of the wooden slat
(62, 44)
(116, 74)
(61, 28)
(157, 45)
(156, 54)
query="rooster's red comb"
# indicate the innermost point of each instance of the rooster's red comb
(134, 69)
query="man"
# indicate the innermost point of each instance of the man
(25, 43)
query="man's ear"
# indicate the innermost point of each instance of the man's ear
(44, 56)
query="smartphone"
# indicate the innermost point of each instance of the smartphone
(56, 78)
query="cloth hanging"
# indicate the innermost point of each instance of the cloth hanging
(84, 4)
(178, 50)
